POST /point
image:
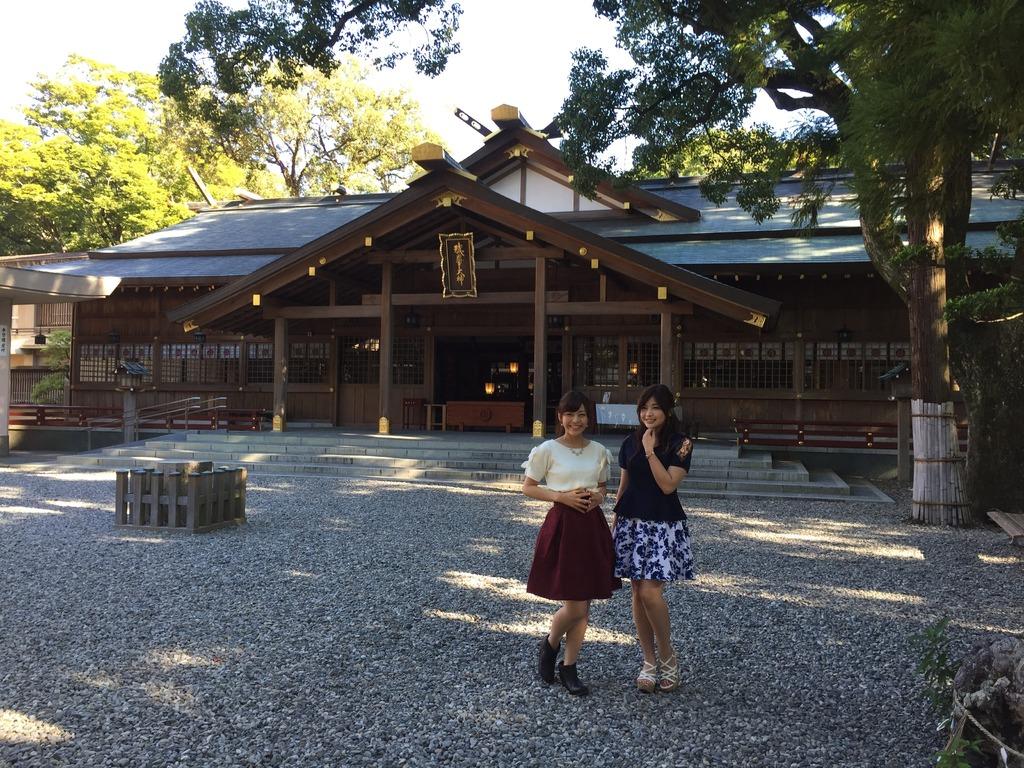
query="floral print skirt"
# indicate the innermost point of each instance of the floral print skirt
(646, 549)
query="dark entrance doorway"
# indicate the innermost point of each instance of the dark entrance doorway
(493, 369)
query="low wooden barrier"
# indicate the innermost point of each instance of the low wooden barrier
(229, 419)
(191, 498)
(822, 434)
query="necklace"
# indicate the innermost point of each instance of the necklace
(575, 451)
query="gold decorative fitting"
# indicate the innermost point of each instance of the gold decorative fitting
(583, 251)
(504, 112)
(368, 241)
(517, 151)
(570, 178)
(384, 426)
(190, 326)
(626, 205)
(278, 423)
(538, 428)
(312, 271)
(594, 263)
(323, 260)
(448, 200)
(256, 298)
(756, 319)
(662, 292)
(426, 152)
(529, 234)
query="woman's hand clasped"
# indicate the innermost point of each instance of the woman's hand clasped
(580, 499)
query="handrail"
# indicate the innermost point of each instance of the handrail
(166, 412)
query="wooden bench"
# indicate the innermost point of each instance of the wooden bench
(1013, 524)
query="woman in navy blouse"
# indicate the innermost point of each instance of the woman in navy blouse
(652, 541)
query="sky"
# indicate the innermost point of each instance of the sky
(514, 52)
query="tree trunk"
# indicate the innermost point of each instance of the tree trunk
(987, 362)
(938, 464)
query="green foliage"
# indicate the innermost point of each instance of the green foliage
(103, 158)
(57, 355)
(331, 130)
(954, 754)
(934, 664)
(227, 55)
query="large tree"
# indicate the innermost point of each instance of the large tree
(101, 158)
(917, 84)
(227, 55)
(330, 130)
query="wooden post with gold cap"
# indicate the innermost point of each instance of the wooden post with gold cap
(665, 350)
(540, 347)
(280, 373)
(386, 332)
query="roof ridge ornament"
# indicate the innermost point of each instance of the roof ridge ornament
(432, 157)
(508, 116)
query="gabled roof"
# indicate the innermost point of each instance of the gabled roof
(424, 196)
(515, 139)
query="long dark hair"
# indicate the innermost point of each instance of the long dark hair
(572, 401)
(663, 397)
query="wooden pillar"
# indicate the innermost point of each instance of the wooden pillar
(665, 347)
(6, 309)
(280, 373)
(386, 345)
(540, 347)
(799, 365)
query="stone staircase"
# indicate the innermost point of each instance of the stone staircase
(718, 468)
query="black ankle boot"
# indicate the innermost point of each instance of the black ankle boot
(546, 660)
(571, 681)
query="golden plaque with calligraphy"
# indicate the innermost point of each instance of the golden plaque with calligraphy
(458, 266)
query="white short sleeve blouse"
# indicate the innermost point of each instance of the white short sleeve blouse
(561, 468)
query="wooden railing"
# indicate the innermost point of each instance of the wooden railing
(25, 414)
(823, 434)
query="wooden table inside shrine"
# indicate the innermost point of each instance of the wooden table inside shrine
(486, 414)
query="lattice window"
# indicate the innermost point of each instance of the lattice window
(407, 360)
(642, 357)
(200, 363)
(360, 360)
(96, 362)
(140, 353)
(54, 315)
(596, 361)
(259, 364)
(851, 365)
(738, 365)
(308, 362)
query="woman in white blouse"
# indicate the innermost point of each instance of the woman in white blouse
(574, 558)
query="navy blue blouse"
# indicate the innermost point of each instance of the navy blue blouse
(643, 499)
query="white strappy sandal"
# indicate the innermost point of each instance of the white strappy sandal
(669, 671)
(648, 678)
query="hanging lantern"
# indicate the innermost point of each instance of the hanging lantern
(513, 367)
(489, 388)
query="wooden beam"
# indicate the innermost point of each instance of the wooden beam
(434, 299)
(618, 308)
(386, 331)
(428, 256)
(317, 313)
(540, 347)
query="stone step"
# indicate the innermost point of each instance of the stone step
(821, 481)
(703, 457)
(783, 470)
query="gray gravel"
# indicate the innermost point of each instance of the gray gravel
(355, 623)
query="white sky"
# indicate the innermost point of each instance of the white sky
(513, 52)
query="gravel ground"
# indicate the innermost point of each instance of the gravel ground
(355, 623)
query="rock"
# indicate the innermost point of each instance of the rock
(990, 683)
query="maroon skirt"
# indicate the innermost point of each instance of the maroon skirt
(574, 558)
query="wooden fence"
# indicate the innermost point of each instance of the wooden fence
(823, 434)
(190, 500)
(22, 381)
